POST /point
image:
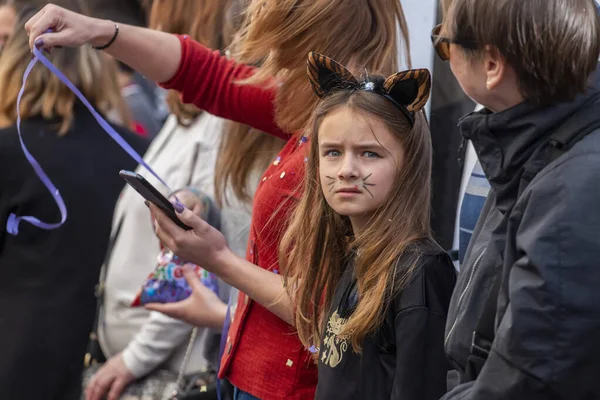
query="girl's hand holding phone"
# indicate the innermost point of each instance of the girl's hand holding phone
(189, 200)
(202, 245)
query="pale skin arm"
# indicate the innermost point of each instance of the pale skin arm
(206, 246)
(260, 285)
(154, 54)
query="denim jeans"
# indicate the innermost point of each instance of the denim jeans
(240, 395)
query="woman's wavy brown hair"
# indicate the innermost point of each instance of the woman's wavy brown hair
(202, 21)
(317, 245)
(243, 150)
(94, 74)
(279, 34)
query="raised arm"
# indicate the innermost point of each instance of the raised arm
(210, 81)
(204, 77)
(154, 54)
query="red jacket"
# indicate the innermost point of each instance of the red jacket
(263, 356)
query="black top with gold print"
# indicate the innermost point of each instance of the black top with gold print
(405, 358)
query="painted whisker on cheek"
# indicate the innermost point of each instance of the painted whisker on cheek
(331, 183)
(365, 184)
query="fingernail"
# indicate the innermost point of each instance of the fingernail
(178, 207)
(147, 203)
(39, 43)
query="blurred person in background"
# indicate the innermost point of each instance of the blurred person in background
(145, 99)
(141, 104)
(8, 15)
(47, 291)
(137, 342)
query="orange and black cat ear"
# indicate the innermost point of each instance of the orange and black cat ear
(409, 88)
(326, 75)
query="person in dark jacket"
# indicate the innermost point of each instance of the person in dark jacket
(531, 268)
(47, 301)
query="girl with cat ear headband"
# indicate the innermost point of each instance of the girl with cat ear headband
(407, 90)
(366, 286)
(371, 287)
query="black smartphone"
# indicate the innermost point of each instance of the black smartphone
(150, 193)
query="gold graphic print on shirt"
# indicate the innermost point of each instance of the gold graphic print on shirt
(334, 345)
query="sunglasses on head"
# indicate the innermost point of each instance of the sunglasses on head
(442, 44)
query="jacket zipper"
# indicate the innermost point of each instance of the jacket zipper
(460, 153)
(462, 295)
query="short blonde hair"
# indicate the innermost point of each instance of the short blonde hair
(45, 95)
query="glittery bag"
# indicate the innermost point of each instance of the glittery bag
(167, 284)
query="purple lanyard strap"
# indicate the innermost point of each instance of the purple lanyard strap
(12, 225)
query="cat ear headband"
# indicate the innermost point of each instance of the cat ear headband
(408, 90)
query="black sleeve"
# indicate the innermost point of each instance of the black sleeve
(421, 364)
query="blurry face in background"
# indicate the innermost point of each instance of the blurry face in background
(8, 17)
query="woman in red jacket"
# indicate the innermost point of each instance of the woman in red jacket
(263, 357)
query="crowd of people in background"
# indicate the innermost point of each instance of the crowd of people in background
(298, 155)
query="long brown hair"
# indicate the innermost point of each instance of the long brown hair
(202, 21)
(280, 33)
(318, 242)
(243, 150)
(94, 74)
